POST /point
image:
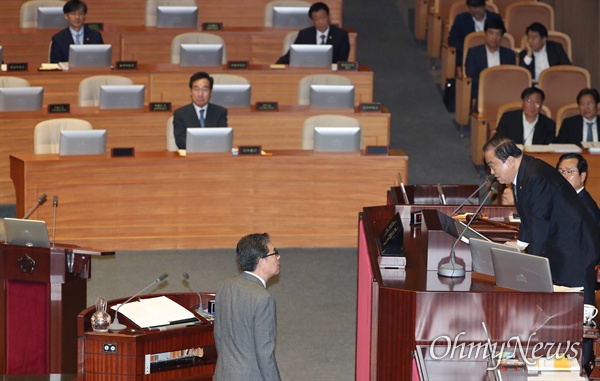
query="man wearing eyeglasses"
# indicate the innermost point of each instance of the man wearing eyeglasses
(528, 126)
(245, 323)
(574, 168)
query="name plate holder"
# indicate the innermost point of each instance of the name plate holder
(391, 241)
(126, 65)
(159, 106)
(238, 65)
(249, 150)
(266, 106)
(347, 66)
(59, 108)
(122, 152)
(212, 26)
(377, 150)
(370, 107)
(17, 66)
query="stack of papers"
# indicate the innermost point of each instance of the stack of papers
(593, 147)
(553, 148)
(156, 312)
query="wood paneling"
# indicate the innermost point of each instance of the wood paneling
(160, 200)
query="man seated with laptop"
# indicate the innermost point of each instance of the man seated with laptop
(322, 33)
(77, 33)
(199, 113)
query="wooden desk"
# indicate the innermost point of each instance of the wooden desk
(159, 200)
(114, 12)
(151, 45)
(169, 83)
(397, 313)
(146, 130)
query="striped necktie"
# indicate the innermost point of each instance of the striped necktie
(78, 38)
(202, 118)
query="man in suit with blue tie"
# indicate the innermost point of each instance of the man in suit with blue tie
(586, 126)
(76, 34)
(245, 323)
(489, 54)
(199, 113)
(322, 33)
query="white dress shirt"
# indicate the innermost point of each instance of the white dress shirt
(528, 130)
(319, 33)
(541, 62)
(493, 58)
(585, 130)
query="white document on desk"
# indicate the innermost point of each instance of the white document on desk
(156, 312)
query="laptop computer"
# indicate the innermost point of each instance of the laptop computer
(31, 233)
(481, 253)
(523, 272)
(469, 233)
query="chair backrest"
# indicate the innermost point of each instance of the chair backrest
(230, 79)
(478, 38)
(10, 81)
(521, 14)
(29, 11)
(318, 79)
(503, 4)
(89, 88)
(171, 145)
(459, 7)
(46, 135)
(326, 120)
(288, 40)
(511, 79)
(561, 84)
(565, 112)
(518, 105)
(268, 21)
(560, 37)
(152, 5)
(195, 38)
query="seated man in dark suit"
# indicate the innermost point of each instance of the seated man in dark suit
(199, 113)
(322, 33)
(584, 127)
(77, 33)
(489, 54)
(539, 54)
(528, 126)
(574, 168)
(468, 22)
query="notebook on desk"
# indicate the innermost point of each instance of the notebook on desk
(31, 233)
(481, 254)
(523, 272)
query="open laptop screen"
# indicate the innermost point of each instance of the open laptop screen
(31, 233)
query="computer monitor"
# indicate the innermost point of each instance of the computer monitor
(337, 139)
(311, 55)
(21, 98)
(91, 55)
(291, 17)
(231, 95)
(332, 96)
(51, 18)
(121, 96)
(177, 17)
(201, 55)
(82, 142)
(30, 233)
(219, 139)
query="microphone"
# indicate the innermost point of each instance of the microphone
(54, 204)
(116, 326)
(40, 201)
(200, 310)
(452, 269)
(489, 178)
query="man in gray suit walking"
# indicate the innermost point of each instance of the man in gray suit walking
(245, 323)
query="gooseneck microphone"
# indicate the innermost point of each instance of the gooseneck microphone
(489, 178)
(54, 204)
(200, 310)
(39, 202)
(452, 269)
(116, 326)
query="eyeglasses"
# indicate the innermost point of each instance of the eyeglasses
(567, 171)
(275, 252)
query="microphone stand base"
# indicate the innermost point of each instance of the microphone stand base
(451, 270)
(117, 327)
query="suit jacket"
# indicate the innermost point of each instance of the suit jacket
(463, 25)
(61, 41)
(336, 37)
(184, 117)
(556, 56)
(245, 328)
(477, 61)
(511, 126)
(590, 205)
(571, 130)
(557, 225)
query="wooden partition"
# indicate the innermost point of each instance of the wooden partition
(126, 13)
(169, 83)
(454, 194)
(146, 131)
(398, 311)
(159, 200)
